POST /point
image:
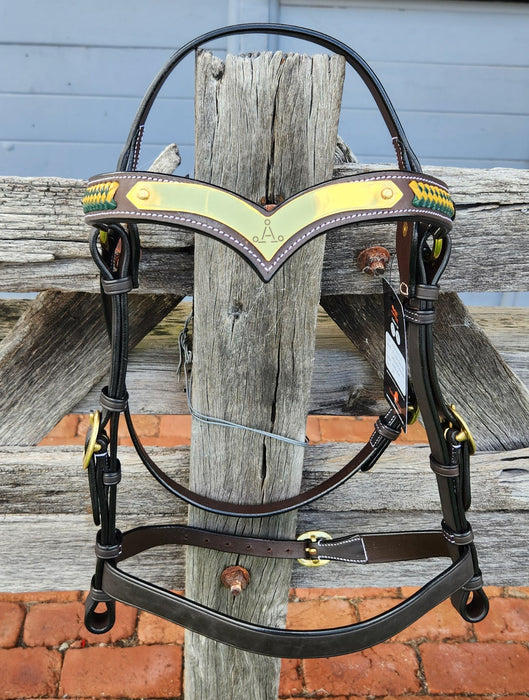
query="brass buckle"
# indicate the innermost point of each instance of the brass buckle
(92, 445)
(464, 432)
(313, 536)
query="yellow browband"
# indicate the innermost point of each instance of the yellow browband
(266, 231)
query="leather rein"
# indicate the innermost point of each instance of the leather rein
(421, 205)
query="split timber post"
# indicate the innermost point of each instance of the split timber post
(266, 128)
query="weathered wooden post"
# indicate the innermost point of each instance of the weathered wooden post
(266, 127)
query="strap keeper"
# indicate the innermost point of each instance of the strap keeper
(475, 583)
(112, 478)
(419, 316)
(113, 404)
(427, 292)
(387, 432)
(457, 538)
(119, 286)
(108, 551)
(96, 594)
(449, 470)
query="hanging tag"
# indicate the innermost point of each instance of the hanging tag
(396, 354)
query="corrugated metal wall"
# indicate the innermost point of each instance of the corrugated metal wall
(73, 73)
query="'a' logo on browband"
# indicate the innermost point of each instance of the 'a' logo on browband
(266, 231)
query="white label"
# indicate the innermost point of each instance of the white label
(396, 363)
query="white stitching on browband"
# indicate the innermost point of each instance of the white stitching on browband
(396, 176)
(232, 238)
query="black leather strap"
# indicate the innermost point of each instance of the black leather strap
(132, 590)
(407, 159)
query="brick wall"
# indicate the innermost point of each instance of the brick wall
(46, 652)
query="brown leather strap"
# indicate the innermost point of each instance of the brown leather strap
(360, 549)
(176, 201)
(363, 461)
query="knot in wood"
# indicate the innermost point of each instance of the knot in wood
(236, 578)
(373, 261)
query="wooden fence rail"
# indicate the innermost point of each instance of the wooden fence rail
(54, 355)
(352, 387)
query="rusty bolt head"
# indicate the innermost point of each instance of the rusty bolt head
(373, 261)
(236, 578)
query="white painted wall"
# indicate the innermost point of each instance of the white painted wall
(72, 74)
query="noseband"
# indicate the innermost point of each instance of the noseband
(423, 210)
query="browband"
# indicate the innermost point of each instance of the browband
(266, 237)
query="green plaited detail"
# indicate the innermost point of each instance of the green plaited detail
(100, 197)
(432, 197)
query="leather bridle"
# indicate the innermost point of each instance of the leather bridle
(421, 206)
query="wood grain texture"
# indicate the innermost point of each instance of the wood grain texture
(344, 382)
(51, 515)
(493, 400)
(55, 353)
(43, 238)
(59, 347)
(266, 127)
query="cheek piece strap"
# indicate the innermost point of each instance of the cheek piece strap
(423, 210)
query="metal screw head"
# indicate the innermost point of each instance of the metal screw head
(373, 261)
(236, 578)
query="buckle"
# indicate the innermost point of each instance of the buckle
(313, 536)
(92, 445)
(464, 433)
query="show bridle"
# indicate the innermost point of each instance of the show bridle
(423, 209)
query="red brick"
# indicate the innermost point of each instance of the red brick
(124, 627)
(29, 673)
(416, 435)
(508, 620)
(11, 619)
(154, 630)
(66, 427)
(316, 614)
(146, 426)
(515, 592)
(290, 680)
(497, 591)
(489, 667)
(383, 670)
(176, 430)
(84, 424)
(348, 593)
(132, 672)
(52, 624)
(443, 622)
(312, 429)
(52, 440)
(41, 597)
(346, 428)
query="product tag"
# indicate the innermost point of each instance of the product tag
(396, 354)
